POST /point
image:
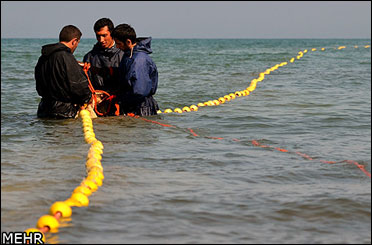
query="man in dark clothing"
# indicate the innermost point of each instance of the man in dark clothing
(60, 80)
(138, 73)
(104, 54)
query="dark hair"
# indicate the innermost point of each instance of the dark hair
(102, 23)
(124, 32)
(68, 33)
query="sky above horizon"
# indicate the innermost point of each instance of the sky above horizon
(193, 19)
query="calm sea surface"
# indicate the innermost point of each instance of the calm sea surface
(165, 185)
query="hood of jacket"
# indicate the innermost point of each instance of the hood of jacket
(49, 49)
(143, 45)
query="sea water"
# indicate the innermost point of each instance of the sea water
(167, 185)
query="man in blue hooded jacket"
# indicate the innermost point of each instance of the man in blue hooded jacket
(138, 73)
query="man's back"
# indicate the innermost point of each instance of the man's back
(139, 80)
(60, 81)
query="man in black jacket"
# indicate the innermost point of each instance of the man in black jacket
(60, 80)
(104, 55)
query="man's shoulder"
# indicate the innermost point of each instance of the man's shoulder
(144, 57)
(104, 52)
(94, 51)
(62, 55)
(88, 55)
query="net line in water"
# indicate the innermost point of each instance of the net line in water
(250, 88)
(258, 144)
(247, 91)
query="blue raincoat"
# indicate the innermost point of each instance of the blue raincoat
(139, 80)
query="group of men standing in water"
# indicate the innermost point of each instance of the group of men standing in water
(119, 64)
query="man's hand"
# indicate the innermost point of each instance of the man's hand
(86, 66)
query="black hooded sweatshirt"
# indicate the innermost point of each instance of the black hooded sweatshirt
(103, 58)
(61, 82)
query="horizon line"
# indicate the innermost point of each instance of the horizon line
(207, 38)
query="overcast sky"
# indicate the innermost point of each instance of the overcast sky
(193, 19)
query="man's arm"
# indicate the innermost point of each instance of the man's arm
(140, 79)
(80, 92)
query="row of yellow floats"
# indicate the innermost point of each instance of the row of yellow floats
(60, 211)
(246, 91)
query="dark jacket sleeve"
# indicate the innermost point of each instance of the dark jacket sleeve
(38, 77)
(80, 92)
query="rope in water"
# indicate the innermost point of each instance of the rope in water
(257, 143)
(60, 211)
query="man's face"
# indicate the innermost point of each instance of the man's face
(121, 45)
(104, 37)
